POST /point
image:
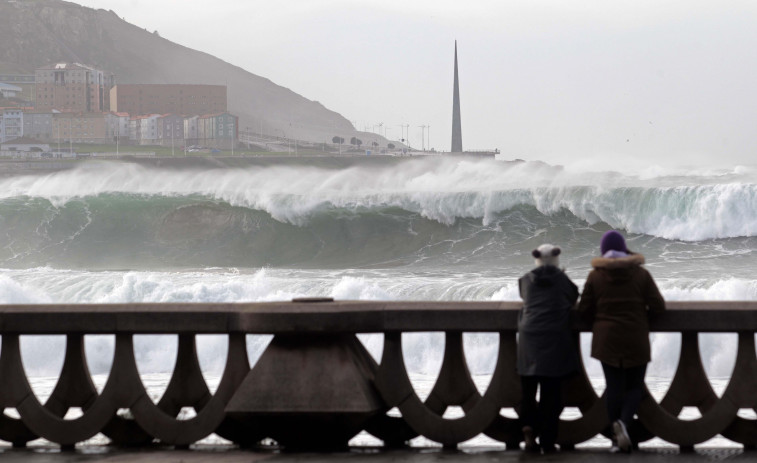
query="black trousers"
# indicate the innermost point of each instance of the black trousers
(625, 389)
(543, 417)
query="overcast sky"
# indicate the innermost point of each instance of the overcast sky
(595, 81)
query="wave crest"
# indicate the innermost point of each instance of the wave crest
(705, 207)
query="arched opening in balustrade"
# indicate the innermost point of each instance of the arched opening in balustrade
(11, 412)
(749, 413)
(666, 350)
(482, 441)
(423, 354)
(155, 356)
(99, 350)
(592, 366)
(570, 414)
(718, 354)
(73, 389)
(42, 358)
(256, 345)
(373, 343)
(212, 351)
(481, 351)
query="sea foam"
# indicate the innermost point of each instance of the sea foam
(698, 206)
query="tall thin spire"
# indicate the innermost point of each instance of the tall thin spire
(457, 131)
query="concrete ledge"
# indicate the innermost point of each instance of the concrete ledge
(202, 454)
(334, 317)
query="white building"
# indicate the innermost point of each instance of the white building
(9, 91)
(11, 124)
(149, 130)
(190, 130)
(118, 126)
(143, 130)
(38, 125)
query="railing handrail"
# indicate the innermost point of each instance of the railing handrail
(335, 317)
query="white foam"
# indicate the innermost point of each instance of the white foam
(358, 289)
(12, 292)
(694, 205)
(730, 289)
(422, 352)
(43, 284)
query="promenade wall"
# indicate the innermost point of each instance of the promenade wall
(315, 386)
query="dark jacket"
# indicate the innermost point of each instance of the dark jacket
(545, 341)
(618, 298)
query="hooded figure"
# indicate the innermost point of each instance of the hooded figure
(618, 297)
(546, 348)
(545, 344)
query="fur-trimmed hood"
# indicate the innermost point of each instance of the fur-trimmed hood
(619, 295)
(631, 260)
(619, 269)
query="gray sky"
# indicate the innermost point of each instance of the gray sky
(587, 81)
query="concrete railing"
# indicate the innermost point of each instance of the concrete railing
(316, 385)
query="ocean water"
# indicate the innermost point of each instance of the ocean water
(419, 229)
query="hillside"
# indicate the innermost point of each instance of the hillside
(35, 33)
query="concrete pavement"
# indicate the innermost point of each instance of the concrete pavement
(217, 454)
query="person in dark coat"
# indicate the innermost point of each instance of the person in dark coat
(618, 298)
(547, 352)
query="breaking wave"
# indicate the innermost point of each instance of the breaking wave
(124, 215)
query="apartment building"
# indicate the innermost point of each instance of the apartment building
(80, 127)
(11, 124)
(38, 125)
(143, 130)
(72, 87)
(222, 126)
(218, 130)
(190, 130)
(118, 126)
(171, 130)
(184, 99)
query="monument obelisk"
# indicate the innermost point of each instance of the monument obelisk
(457, 132)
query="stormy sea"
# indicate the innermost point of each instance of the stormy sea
(431, 228)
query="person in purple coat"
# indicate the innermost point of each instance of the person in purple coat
(618, 298)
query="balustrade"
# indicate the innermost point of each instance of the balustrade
(316, 385)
